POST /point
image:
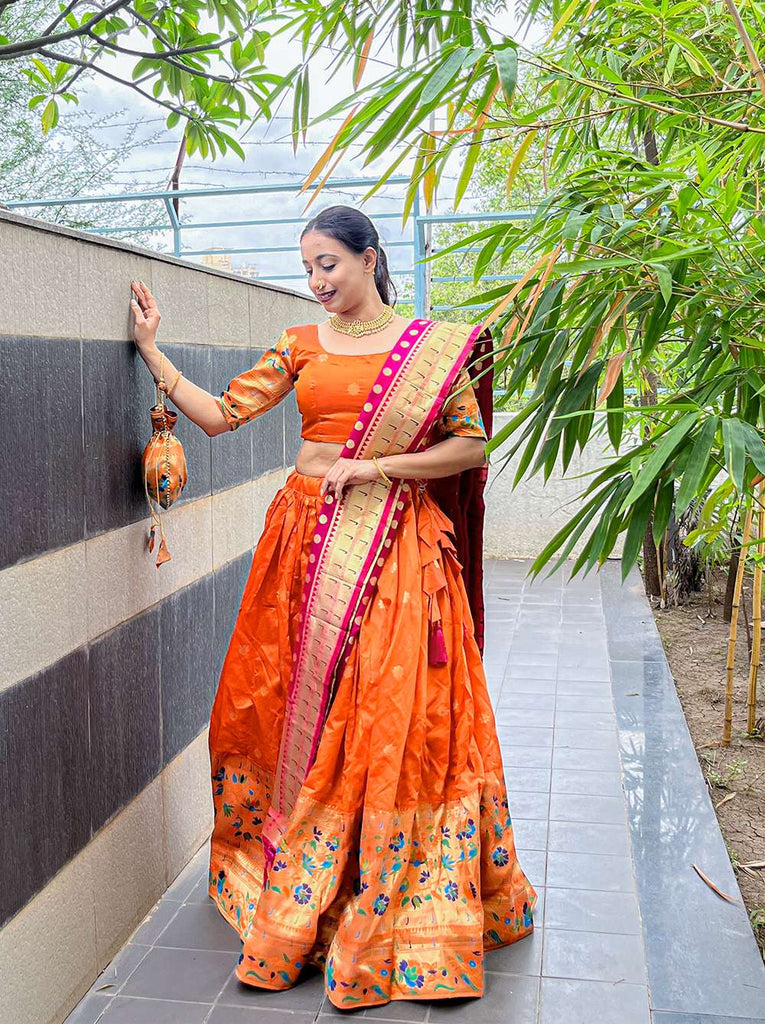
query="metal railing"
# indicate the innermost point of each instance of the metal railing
(418, 242)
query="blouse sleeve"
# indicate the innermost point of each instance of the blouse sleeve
(461, 414)
(264, 385)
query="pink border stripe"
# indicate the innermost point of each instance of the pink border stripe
(403, 351)
(450, 379)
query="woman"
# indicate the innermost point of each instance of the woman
(361, 815)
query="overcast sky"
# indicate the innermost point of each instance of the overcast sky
(270, 160)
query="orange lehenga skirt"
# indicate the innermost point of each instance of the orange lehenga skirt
(398, 867)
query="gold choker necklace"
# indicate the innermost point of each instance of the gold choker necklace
(358, 328)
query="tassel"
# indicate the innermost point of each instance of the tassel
(437, 646)
(151, 536)
(163, 555)
(437, 654)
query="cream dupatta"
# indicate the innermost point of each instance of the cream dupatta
(352, 539)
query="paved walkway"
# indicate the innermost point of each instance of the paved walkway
(610, 812)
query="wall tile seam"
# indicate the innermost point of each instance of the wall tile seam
(102, 535)
(28, 336)
(155, 606)
(155, 779)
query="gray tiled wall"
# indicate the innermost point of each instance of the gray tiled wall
(83, 737)
(86, 735)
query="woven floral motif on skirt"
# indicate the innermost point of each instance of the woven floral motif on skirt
(398, 867)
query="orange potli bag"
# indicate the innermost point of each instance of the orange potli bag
(165, 472)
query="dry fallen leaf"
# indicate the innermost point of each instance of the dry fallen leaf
(712, 885)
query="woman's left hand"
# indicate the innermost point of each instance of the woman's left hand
(348, 471)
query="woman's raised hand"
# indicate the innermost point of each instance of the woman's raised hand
(146, 316)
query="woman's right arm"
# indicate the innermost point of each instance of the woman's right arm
(247, 395)
(194, 402)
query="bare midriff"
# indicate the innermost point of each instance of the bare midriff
(315, 458)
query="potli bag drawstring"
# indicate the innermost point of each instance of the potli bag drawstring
(165, 472)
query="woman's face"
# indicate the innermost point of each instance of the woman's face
(345, 276)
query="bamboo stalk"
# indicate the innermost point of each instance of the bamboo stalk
(751, 53)
(754, 663)
(728, 725)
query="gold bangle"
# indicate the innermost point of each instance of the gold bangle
(381, 471)
(177, 378)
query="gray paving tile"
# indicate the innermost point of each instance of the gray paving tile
(528, 805)
(542, 687)
(132, 1010)
(240, 1015)
(201, 891)
(591, 910)
(608, 810)
(537, 658)
(662, 1017)
(588, 837)
(576, 702)
(594, 956)
(523, 718)
(534, 864)
(523, 956)
(512, 699)
(525, 736)
(530, 833)
(582, 688)
(191, 975)
(525, 756)
(605, 760)
(582, 1002)
(200, 926)
(187, 879)
(511, 998)
(585, 719)
(586, 783)
(588, 739)
(307, 995)
(115, 974)
(155, 921)
(527, 780)
(395, 1010)
(590, 871)
(89, 1009)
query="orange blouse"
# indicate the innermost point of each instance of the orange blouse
(330, 389)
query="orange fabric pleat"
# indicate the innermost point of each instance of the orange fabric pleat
(398, 867)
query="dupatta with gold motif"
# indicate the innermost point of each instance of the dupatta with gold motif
(353, 536)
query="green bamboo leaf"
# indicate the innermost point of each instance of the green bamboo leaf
(506, 58)
(701, 446)
(735, 451)
(663, 508)
(665, 280)
(754, 444)
(444, 74)
(656, 461)
(638, 524)
(466, 174)
(615, 412)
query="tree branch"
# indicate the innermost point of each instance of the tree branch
(66, 59)
(57, 21)
(168, 56)
(33, 45)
